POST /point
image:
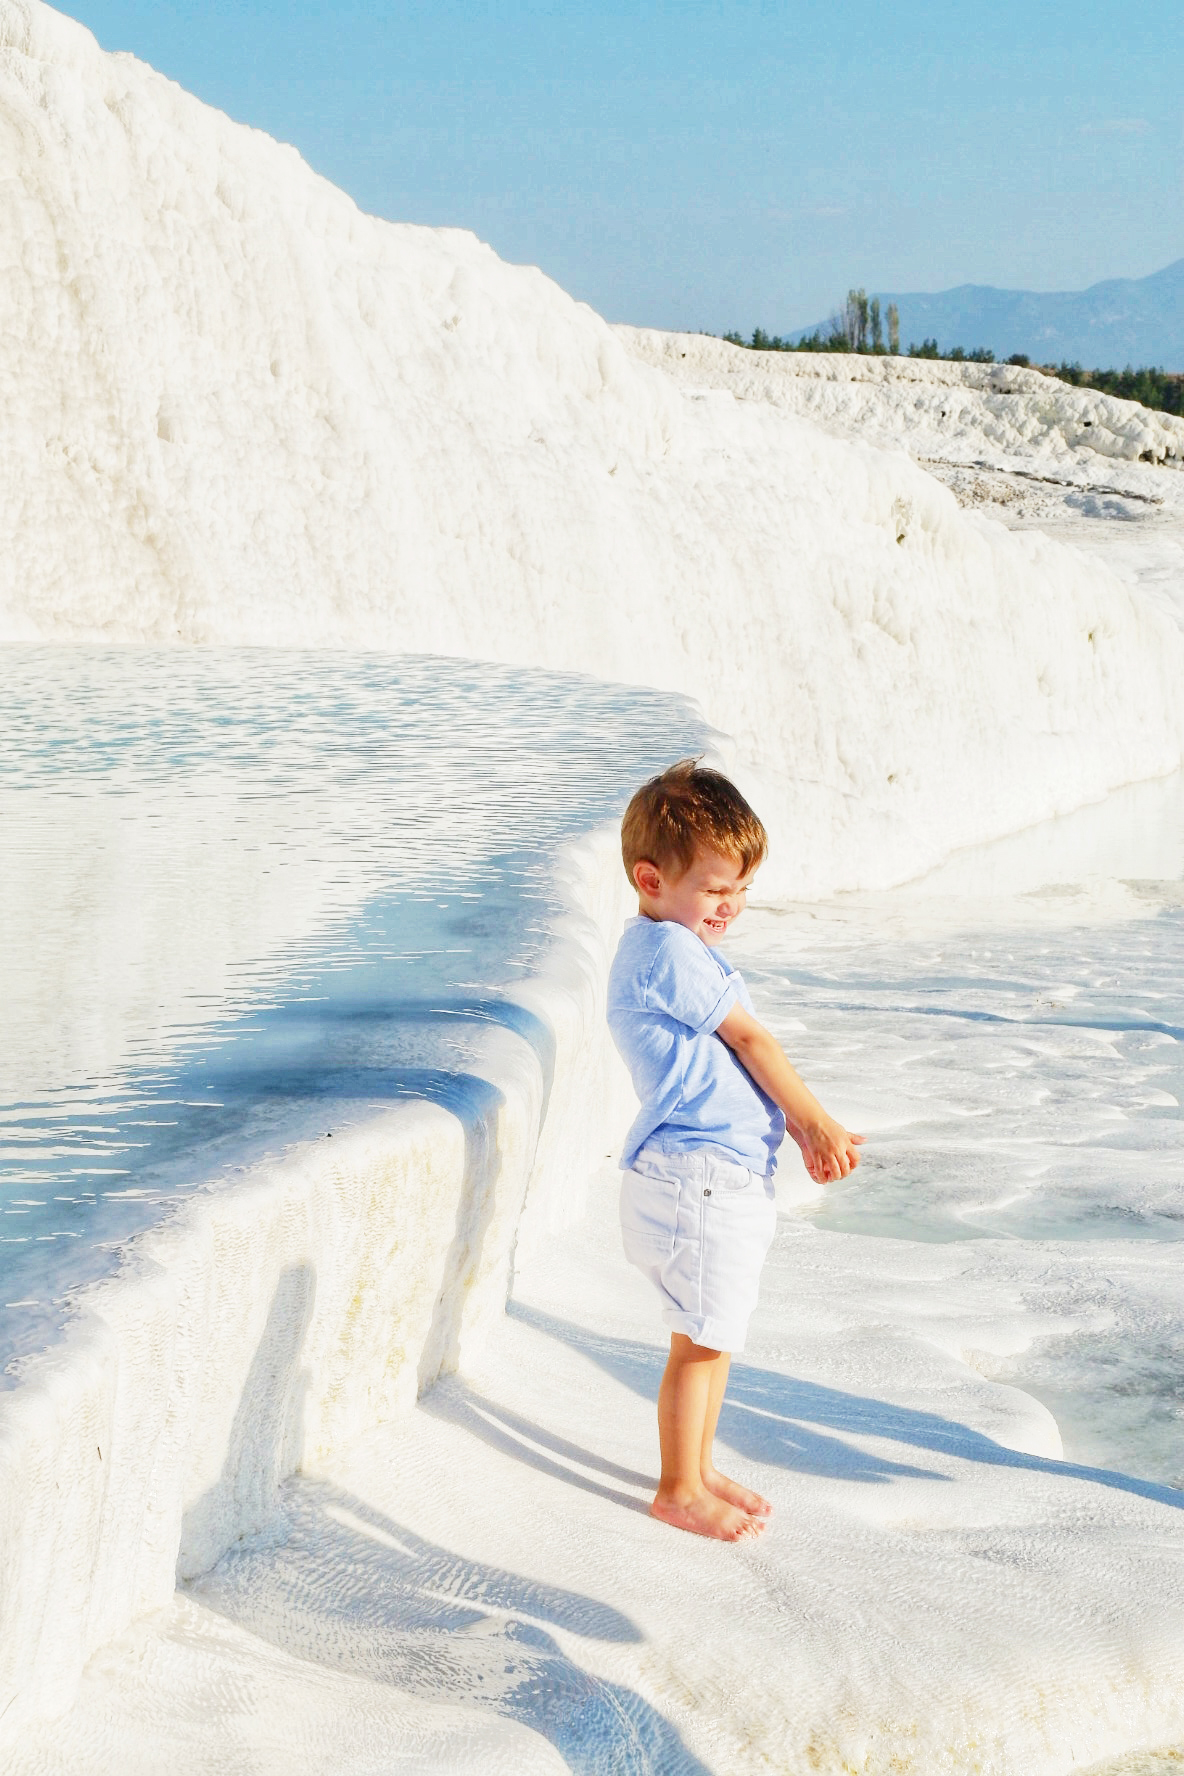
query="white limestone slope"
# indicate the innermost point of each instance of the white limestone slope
(233, 408)
(1030, 450)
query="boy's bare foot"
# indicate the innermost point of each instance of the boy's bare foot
(733, 1493)
(705, 1514)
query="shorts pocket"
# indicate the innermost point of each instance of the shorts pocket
(649, 1217)
(730, 1180)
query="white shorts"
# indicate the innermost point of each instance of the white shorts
(700, 1227)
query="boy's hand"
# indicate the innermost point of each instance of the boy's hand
(828, 1151)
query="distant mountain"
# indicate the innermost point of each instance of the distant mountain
(1135, 321)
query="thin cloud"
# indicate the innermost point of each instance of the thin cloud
(811, 212)
(1117, 126)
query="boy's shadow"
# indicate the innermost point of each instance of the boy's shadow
(787, 1423)
(351, 1590)
(330, 1579)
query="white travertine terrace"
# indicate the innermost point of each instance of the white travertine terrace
(234, 409)
(1003, 412)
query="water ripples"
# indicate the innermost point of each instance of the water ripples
(247, 891)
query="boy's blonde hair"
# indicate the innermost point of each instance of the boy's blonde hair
(689, 806)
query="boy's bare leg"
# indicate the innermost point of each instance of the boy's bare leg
(684, 1399)
(713, 1480)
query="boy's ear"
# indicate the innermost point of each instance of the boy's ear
(646, 877)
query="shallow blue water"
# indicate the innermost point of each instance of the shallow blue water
(247, 894)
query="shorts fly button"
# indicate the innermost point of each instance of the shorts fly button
(707, 1192)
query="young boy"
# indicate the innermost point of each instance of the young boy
(717, 1093)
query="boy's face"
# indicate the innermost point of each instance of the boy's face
(706, 898)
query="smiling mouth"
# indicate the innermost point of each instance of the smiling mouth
(716, 924)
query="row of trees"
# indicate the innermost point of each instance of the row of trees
(862, 333)
(956, 355)
(1159, 389)
(857, 327)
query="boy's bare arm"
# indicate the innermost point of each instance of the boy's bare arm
(828, 1150)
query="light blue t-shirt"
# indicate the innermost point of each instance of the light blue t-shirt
(667, 995)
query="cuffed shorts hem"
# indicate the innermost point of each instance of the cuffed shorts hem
(716, 1335)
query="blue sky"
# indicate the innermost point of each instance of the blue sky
(722, 165)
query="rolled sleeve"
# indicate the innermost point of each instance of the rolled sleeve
(686, 983)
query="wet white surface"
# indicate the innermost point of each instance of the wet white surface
(1013, 1040)
(958, 1394)
(248, 894)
